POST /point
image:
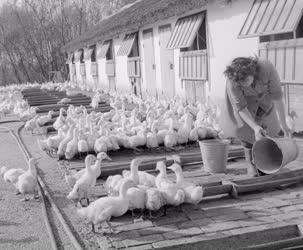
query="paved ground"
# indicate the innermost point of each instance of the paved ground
(22, 226)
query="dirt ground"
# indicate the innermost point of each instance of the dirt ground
(21, 223)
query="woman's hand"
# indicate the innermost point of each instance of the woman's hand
(259, 133)
(287, 131)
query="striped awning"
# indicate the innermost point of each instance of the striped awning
(102, 50)
(69, 58)
(269, 17)
(185, 31)
(78, 55)
(127, 44)
(88, 53)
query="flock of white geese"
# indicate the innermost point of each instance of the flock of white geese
(151, 123)
(131, 190)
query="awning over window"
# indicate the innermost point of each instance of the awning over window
(268, 17)
(185, 31)
(78, 55)
(69, 58)
(127, 44)
(88, 53)
(102, 50)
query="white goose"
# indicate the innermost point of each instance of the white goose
(139, 177)
(60, 121)
(11, 175)
(63, 143)
(193, 193)
(72, 146)
(112, 184)
(27, 182)
(42, 120)
(172, 193)
(96, 168)
(104, 208)
(83, 186)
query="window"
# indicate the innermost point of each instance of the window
(299, 31)
(200, 40)
(272, 20)
(189, 33)
(129, 46)
(93, 53)
(276, 37)
(135, 48)
(82, 56)
(109, 53)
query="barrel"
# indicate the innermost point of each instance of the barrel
(272, 154)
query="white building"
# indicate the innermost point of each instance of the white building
(182, 47)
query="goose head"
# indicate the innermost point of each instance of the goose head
(102, 156)
(135, 163)
(161, 167)
(3, 170)
(175, 158)
(175, 168)
(32, 164)
(89, 159)
(126, 184)
(62, 110)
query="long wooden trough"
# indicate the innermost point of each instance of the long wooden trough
(46, 100)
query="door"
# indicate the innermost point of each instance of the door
(149, 62)
(167, 62)
(112, 83)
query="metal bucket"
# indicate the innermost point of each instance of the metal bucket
(214, 155)
(271, 154)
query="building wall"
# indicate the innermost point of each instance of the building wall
(78, 75)
(89, 77)
(224, 45)
(224, 22)
(156, 39)
(122, 80)
(102, 82)
(70, 72)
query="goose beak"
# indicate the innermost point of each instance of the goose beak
(108, 158)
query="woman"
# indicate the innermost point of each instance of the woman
(255, 94)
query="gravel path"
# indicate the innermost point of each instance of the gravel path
(21, 223)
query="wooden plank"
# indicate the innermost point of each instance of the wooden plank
(189, 58)
(298, 64)
(288, 7)
(199, 67)
(181, 66)
(272, 56)
(246, 29)
(280, 62)
(194, 58)
(204, 67)
(275, 16)
(296, 103)
(259, 17)
(262, 54)
(296, 13)
(269, 12)
(298, 42)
